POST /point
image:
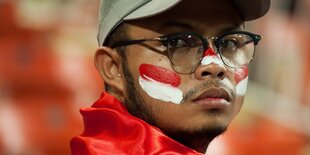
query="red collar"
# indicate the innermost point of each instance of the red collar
(110, 129)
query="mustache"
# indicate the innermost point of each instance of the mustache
(206, 85)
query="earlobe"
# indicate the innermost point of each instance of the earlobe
(109, 64)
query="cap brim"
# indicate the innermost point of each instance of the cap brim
(249, 9)
(152, 8)
(252, 9)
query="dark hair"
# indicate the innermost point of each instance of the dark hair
(120, 33)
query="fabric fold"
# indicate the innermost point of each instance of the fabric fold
(110, 129)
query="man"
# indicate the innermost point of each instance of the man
(175, 73)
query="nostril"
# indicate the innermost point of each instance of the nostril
(205, 73)
(220, 75)
(210, 71)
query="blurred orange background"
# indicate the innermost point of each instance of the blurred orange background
(47, 74)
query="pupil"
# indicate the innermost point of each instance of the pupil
(224, 43)
(173, 42)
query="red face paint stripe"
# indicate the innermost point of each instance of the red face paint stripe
(160, 74)
(209, 52)
(241, 74)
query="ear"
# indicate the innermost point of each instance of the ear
(109, 65)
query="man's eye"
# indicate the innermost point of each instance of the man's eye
(178, 42)
(231, 43)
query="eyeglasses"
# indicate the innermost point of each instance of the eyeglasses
(185, 50)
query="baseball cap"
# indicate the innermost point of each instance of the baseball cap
(114, 12)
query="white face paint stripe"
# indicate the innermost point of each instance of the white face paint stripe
(161, 91)
(242, 86)
(212, 59)
(228, 83)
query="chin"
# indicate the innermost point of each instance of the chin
(211, 130)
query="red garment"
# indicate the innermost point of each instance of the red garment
(110, 129)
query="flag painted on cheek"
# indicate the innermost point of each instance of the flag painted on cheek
(160, 83)
(241, 78)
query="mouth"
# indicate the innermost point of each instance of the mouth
(214, 99)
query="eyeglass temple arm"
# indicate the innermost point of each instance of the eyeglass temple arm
(256, 39)
(130, 42)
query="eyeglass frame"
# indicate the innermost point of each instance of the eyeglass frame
(205, 43)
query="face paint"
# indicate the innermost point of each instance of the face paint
(160, 74)
(241, 87)
(241, 78)
(160, 83)
(211, 57)
(227, 83)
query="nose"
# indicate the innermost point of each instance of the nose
(211, 66)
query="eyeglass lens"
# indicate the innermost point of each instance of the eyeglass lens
(236, 50)
(186, 50)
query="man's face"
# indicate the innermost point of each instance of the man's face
(202, 102)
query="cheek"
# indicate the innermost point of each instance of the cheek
(160, 83)
(239, 103)
(241, 78)
(241, 74)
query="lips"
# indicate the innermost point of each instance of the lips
(214, 98)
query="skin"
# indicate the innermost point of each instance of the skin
(160, 83)
(190, 123)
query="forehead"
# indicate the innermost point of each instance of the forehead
(203, 16)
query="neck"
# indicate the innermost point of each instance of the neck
(200, 145)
